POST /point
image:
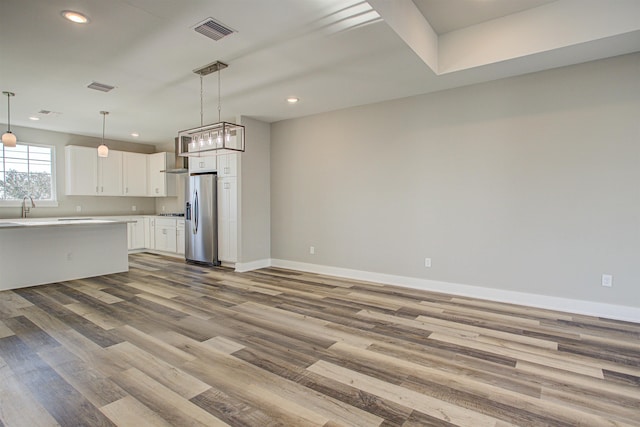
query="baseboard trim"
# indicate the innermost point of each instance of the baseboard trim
(243, 267)
(589, 308)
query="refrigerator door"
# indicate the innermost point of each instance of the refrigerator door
(201, 220)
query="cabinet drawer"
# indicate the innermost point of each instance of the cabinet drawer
(165, 222)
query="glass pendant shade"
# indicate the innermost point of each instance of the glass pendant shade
(103, 150)
(9, 139)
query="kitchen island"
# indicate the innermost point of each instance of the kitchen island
(50, 250)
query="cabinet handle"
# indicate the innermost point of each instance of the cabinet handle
(102, 189)
(227, 185)
(157, 190)
(164, 231)
(126, 190)
(201, 164)
(226, 170)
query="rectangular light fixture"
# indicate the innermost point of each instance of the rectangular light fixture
(211, 140)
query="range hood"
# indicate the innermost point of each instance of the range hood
(180, 165)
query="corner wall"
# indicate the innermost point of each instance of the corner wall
(527, 184)
(254, 196)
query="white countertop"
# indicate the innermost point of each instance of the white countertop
(56, 222)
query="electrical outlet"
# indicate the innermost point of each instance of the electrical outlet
(78, 208)
(312, 250)
(427, 262)
(134, 208)
(607, 280)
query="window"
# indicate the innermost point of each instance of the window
(27, 170)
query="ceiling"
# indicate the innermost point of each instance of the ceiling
(332, 54)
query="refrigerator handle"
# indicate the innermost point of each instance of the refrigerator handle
(187, 212)
(196, 213)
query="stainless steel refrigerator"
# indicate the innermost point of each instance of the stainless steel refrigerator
(201, 219)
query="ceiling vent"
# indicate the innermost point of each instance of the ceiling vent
(100, 86)
(48, 113)
(213, 29)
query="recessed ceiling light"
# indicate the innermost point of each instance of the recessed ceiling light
(135, 134)
(292, 100)
(76, 17)
(34, 118)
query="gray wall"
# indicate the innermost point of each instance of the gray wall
(67, 204)
(528, 184)
(254, 195)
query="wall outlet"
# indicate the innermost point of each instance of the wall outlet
(607, 280)
(312, 250)
(134, 208)
(427, 262)
(78, 208)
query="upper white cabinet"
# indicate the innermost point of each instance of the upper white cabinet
(202, 164)
(134, 167)
(227, 165)
(160, 184)
(81, 171)
(86, 174)
(110, 174)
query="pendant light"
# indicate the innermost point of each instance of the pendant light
(211, 140)
(8, 138)
(103, 150)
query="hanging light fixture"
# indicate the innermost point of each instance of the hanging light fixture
(8, 138)
(103, 150)
(211, 140)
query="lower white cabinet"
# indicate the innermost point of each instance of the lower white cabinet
(150, 232)
(136, 234)
(165, 235)
(180, 236)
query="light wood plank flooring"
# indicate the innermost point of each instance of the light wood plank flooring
(171, 344)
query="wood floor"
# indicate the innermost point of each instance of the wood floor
(174, 344)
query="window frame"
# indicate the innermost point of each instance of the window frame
(53, 202)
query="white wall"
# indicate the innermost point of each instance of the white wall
(67, 204)
(527, 184)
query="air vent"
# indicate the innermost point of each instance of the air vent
(49, 113)
(213, 29)
(100, 86)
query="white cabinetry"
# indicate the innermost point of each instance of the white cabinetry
(202, 164)
(136, 235)
(150, 233)
(134, 167)
(86, 174)
(180, 244)
(81, 171)
(110, 174)
(160, 184)
(228, 219)
(165, 235)
(227, 165)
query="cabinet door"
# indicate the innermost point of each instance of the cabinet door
(156, 181)
(202, 164)
(160, 184)
(227, 165)
(81, 171)
(134, 167)
(227, 219)
(150, 233)
(180, 243)
(110, 174)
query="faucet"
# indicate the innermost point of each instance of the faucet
(25, 208)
